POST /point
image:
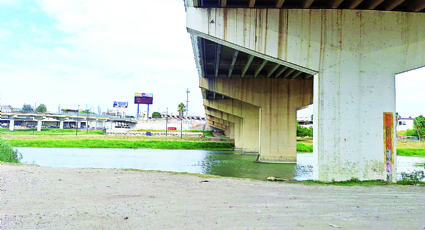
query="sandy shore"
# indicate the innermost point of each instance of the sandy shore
(57, 198)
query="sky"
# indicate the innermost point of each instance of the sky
(91, 53)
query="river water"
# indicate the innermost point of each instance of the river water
(222, 163)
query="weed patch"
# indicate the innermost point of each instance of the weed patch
(8, 154)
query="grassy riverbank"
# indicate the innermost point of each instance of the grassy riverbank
(96, 139)
(116, 143)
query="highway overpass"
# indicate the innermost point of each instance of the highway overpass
(278, 56)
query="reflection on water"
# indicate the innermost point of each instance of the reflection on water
(222, 163)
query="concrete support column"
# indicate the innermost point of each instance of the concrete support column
(12, 124)
(61, 120)
(39, 124)
(249, 122)
(278, 100)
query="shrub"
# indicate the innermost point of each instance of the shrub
(7, 154)
(304, 131)
(412, 178)
(411, 132)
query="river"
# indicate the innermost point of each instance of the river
(222, 163)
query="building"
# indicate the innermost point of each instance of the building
(405, 123)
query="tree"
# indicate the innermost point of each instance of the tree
(181, 109)
(27, 108)
(419, 125)
(156, 115)
(41, 108)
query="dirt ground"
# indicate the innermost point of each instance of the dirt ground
(34, 197)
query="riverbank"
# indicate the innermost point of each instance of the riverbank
(59, 198)
(57, 138)
(95, 139)
(121, 143)
(404, 148)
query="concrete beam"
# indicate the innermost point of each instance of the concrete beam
(335, 3)
(235, 56)
(306, 3)
(372, 4)
(248, 63)
(417, 5)
(279, 3)
(353, 3)
(278, 100)
(249, 116)
(391, 4)
(236, 128)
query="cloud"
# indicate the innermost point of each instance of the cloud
(94, 52)
(5, 34)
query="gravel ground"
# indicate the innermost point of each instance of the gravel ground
(34, 197)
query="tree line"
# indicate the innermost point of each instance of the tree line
(27, 108)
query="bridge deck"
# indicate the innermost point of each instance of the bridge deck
(386, 5)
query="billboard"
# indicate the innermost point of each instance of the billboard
(143, 95)
(143, 98)
(120, 104)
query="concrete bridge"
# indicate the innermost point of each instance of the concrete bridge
(40, 118)
(259, 61)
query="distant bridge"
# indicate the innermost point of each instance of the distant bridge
(60, 119)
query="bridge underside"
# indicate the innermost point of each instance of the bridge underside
(382, 5)
(281, 60)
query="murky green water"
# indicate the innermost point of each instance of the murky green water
(222, 163)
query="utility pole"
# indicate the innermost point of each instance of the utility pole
(76, 121)
(166, 123)
(87, 119)
(187, 101)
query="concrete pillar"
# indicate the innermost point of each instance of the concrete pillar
(279, 100)
(39, 124)
(61, 120)
(355, 55)
(11, 124)
(249, 122)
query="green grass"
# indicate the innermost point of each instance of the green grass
(208, 134)
(302, 147)
(114, 143)
(405, 150)
(410, 152)
(7, 154)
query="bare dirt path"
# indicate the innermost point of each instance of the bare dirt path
(57, 198)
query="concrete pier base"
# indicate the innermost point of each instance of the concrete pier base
(12, 124)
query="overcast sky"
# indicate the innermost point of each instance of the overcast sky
(80, 52)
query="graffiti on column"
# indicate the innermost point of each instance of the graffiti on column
(388, 143)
